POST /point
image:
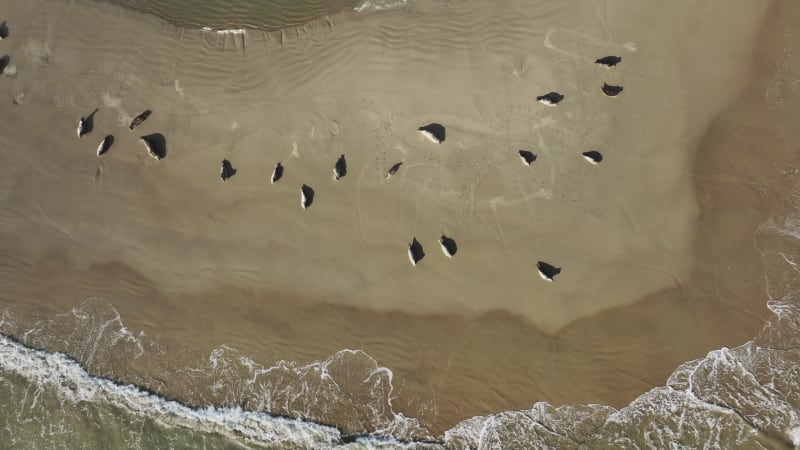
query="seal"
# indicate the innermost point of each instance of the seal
(448, 245)
(415, 252)
(593, 156)
(611, 90)
(550, 99)
(547, 271)
(306, 196)
(139, 119)
(393, 170)
(156, 145)
(609, 61)
(340, 168)
(82, 127)
(435, 132)
(527, 157)
(226, 171)
(105, 145)
(277, 173)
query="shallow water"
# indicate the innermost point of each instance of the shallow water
(744, 397)
(37, 416)
(259, 14)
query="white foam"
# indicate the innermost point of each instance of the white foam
(721, 400)
(179, 88)
(379, 5)
(73, 383)
(315, 391)
(794, 434)
(233, 31)
(223, 32)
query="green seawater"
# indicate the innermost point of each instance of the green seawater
(267, 15)
(34, 416)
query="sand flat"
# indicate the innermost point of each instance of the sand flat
(255, 104)
(361, 87)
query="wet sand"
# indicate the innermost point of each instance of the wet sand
(655, 272)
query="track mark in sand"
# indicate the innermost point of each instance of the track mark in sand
(627, 217)
(359, 212)
(598, 46)
(503, 201)
(232, 149)
(458, 345)
(115, 103)
(241, 33)
(179, 88)
(601, 46)
(499, 227)
(38, 52)
(335, 129)
(295, 153)
(550, 167)
(48, 220)
(19, 99)
(520, 69)
(468, 202)
(98, 172)
(380, 161)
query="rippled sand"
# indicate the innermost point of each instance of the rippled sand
(655, 243)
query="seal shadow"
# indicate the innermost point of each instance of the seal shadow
(88, 122)
(436, 129)
(416, 250)
(308, 193)
(4, 61)
(157, 144)
(3, 30)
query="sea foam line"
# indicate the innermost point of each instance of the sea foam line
(231, 31)
(73, 382)
(379, 5)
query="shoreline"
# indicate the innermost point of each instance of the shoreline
(464, 325)
(320, 20)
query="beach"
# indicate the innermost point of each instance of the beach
(656, 243)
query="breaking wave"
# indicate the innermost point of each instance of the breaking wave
(745, 397)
